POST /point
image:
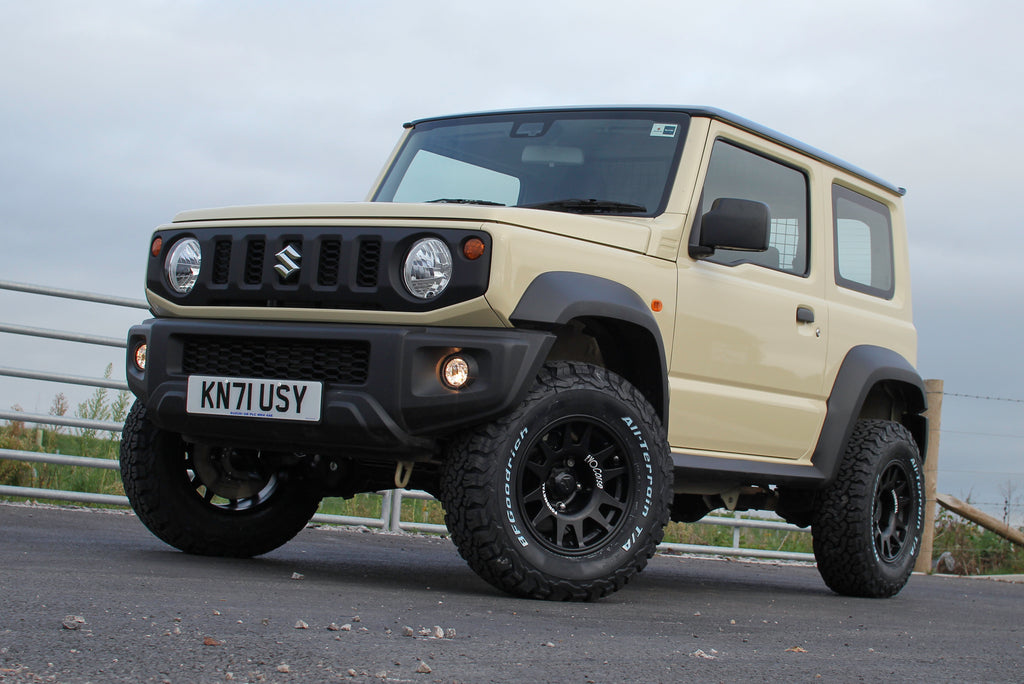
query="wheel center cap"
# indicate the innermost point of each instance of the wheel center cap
(563, 484)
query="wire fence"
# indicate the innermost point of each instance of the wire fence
(390, 503)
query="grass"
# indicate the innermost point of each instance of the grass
(973, 549)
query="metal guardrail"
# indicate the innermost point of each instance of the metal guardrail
(390, 518)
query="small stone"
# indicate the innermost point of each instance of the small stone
(355, 618)
(301, 624)
(298, 576)
(230, 676)
(407, 631)
(350, 672)
(423, 668)
(732, 622)
(210, 641)
(549, 644)
(216, 612)
(449, 633)
(333, 627)
(283, 668)
(437, 632)
(176, 630)
(73, 622)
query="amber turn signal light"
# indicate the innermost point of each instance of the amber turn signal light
(473, 248)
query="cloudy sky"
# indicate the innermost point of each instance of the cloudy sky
(115, 115)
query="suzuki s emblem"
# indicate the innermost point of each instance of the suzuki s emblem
(287, 262)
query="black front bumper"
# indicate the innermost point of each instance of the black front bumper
(381, 392)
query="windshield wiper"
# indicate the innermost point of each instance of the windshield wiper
(589, 206)
(447, 200)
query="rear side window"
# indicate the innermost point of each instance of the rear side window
(738, 173)
(863, 237)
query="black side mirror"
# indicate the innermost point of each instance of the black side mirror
(733, 224)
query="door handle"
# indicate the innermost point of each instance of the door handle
(804, 314)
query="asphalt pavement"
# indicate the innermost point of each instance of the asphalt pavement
(92, 596)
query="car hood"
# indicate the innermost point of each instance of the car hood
(627, 233)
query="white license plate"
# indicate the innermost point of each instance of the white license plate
(254, 398)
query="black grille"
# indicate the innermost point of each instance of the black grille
(369, 263)
(254, 262)
(330, 261)
(222, 262)
(345, 362)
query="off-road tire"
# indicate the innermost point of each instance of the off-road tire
(867, 524)
(166, 491)
(567, 496)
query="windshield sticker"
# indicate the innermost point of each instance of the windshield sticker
(664, 130)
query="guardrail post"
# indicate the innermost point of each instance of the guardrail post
(396, 511)
(385, 510)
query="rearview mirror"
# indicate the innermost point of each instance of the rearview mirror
(733, 224)
(552, 155)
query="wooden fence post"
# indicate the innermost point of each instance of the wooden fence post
(933, 388)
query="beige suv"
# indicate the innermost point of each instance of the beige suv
(571, 325)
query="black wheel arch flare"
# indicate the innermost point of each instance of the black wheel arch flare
(864, 369)
(556, 298)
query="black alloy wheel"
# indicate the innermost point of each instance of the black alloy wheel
(574, 485)
(893, 512)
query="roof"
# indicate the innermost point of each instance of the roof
(695, 111)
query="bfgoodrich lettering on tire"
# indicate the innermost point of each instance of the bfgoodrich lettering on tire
(209, 501)
(566, 497)
(867, 524)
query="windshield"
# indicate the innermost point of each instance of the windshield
(607, 162)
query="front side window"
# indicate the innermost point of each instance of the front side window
(734, 172)
(606, 162)
(863, 236)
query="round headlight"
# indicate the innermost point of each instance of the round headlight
(428, 268)
(182, 265)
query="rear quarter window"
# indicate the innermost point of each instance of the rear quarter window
(862, 229)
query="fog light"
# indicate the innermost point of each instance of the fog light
(140, 357)
(455, 372)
